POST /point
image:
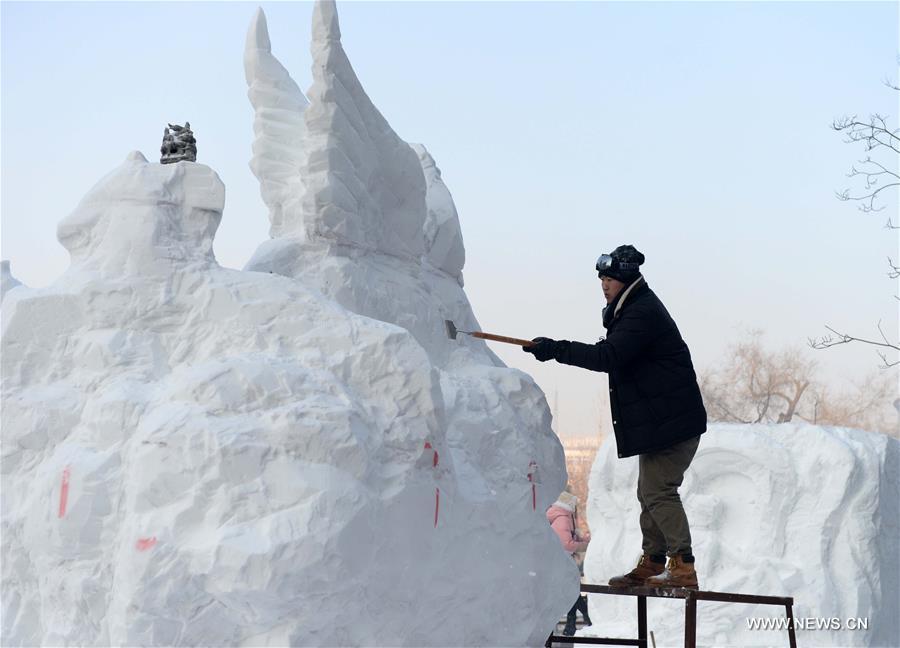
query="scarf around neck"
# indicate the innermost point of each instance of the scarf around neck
(612, 309)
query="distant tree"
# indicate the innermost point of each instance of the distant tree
(879, 172)
(867, 405)
(580, 454)
(758, 385)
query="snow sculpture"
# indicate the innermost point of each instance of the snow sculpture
(787, 510)
(362, 185)
(367, 220)
(196, 455)
(362, 263)
(357, 220)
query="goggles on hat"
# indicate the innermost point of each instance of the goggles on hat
(606, 262)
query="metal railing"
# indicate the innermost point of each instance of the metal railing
(690, 612)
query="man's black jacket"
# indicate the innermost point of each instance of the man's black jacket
(653, 392)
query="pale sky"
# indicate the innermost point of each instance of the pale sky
(699, 132)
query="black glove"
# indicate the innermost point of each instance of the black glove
(543, 348)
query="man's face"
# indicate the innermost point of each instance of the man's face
(611, 288)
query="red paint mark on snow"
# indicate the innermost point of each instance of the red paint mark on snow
(437, 491)
(437, 504)
(145, 543)
(64, 491)
(532, 468)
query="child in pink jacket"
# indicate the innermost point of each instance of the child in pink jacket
(561, 516)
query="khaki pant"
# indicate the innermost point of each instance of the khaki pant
(664, 524)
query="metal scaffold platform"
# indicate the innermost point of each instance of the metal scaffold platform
(691, 597)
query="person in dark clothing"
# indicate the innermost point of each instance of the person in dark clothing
(657, 410)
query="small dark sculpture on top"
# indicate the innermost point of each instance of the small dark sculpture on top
(178, 144)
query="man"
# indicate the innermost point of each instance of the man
(656, 409)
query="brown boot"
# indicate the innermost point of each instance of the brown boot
(638, 576)
(677, 574)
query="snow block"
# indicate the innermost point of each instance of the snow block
(785, 510)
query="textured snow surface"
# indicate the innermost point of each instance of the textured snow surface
(783, 510)
(294, 453)
(7, 280)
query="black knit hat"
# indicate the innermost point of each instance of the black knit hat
(623, 264)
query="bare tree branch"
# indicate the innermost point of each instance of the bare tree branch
(869, 206)
(874, 135)
(883, 171)
(828, 341)
(894, 272)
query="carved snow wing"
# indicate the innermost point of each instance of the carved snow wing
(278, 123)
(365, 184)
